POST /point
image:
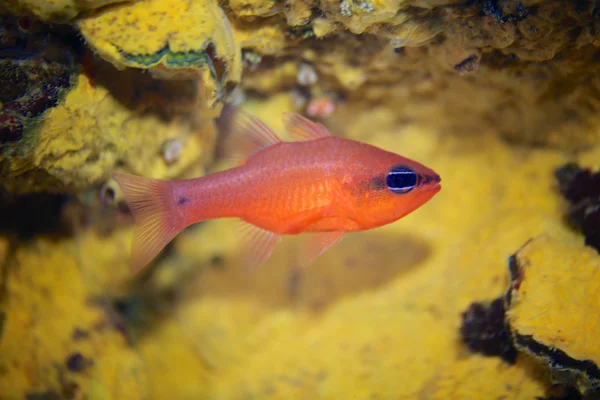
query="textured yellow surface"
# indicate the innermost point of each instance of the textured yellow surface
(429, 59)
(50, 315)
(252, 8)
(118, 120)
(267, 39)
(172, 39)
(556, 302)
(476, 377)
(377, 316)
(53, 10)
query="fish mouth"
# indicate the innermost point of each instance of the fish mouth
(430, 181)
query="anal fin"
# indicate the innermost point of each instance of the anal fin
(258, 244)
(317, 243)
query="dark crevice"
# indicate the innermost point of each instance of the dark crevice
(24, 217)
(567, 394)
(484, 330)
(581, 188)
(493, 9)
(40, 62)
(559, 359)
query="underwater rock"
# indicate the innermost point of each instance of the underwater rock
(71, 320)
(64, 127)
(254, 8)
(581, 188)
(39, 67)
(171, 39)
(533, 75)
(531, 66)
(107, 120)
(494, 9)
(552, 310)
(100, 364)
(484, 330)
(53, 10)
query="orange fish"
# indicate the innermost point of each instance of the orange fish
(319, 184)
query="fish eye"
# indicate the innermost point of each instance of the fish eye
(401, 179)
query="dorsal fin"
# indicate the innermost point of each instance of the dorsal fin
(246, 134)
(301, 128)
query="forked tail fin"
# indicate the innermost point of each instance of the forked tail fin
(157, 220)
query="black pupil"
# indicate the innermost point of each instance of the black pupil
(401, 179)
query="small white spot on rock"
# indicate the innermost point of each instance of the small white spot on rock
(366, 5)
(108, 192)
(345, 8)
(171, 150)
(307, 76)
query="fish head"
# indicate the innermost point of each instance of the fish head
(391, 187)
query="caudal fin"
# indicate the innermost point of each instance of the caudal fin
(157, 221)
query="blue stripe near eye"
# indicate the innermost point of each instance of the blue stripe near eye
(401, 179)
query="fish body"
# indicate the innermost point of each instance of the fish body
(321, 185)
